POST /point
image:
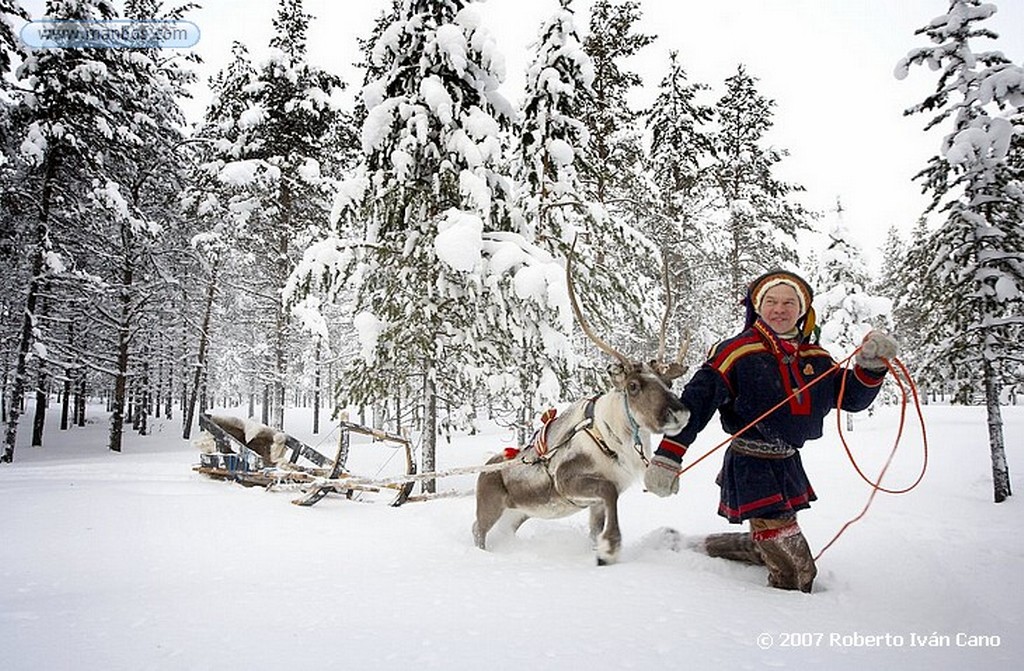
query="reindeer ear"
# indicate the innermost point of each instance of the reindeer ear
(669, 371)
(617, 373)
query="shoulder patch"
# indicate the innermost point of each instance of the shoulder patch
(814, 350)
(727, 353)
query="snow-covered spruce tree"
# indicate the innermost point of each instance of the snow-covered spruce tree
(680, 149)
(550, 134)
(305, 136)
(10, 48)
(132, 210)
(216, 210)
(614, 157)
(444, 281)
(887, 283)
(547, 151)
(626, 273)
(906, 285)
(846, 308)
(276, 129)
(977, 253)
(890, 283)
(11, 210)
(62, 114)
(759, 223)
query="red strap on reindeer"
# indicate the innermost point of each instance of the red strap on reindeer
(541, 444)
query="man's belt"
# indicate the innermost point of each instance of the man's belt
(762, 448)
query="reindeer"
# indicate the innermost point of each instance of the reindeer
(591, 452)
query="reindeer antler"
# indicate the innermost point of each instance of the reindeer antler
(675, 369)
(668, 307)
(581, 320)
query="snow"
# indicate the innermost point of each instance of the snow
(561, 151)
(368, 330)
(132, 560)
(437, 98)
(309, 171)
(53, 262)
(459, 240)
(239, 173)
(452, 43)
(985, 141)
(252, 117)
(33, 147)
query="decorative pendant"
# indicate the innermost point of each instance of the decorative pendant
(808, 369)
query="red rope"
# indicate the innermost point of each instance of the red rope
(876, 485)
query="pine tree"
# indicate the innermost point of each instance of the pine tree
(976, 256)
(11, 209)
(135, 202)
(547, 157)
(615, 153)
(447, 289)
(432, 83)
(276, 142)
(550, 134)
(680, 151)
(759, 222)
(64, 119)
(296, 138)
(624, 293)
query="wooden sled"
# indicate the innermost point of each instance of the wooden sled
(320, 475)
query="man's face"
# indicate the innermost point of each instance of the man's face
(780, 308)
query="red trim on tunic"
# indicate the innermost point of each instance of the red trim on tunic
(868, 378)
(672, 446)
(800, 500)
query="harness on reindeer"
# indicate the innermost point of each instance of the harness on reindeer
(544, 451)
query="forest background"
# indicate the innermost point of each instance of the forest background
(392, 239)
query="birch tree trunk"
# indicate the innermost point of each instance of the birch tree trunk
(430, 431)
(997, 446)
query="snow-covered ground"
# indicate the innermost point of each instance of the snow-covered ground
(134, 561)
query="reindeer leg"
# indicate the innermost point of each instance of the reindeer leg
(597, 518)
(585, 487)
(491, 498)
(611, 540)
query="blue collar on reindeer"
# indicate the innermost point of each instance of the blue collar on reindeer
(637, 443)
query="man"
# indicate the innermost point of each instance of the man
(762, 478)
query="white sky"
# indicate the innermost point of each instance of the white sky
(828, 64)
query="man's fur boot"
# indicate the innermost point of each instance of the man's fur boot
(737, 546)
(785, 552)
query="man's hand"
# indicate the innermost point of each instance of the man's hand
(875, 350)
